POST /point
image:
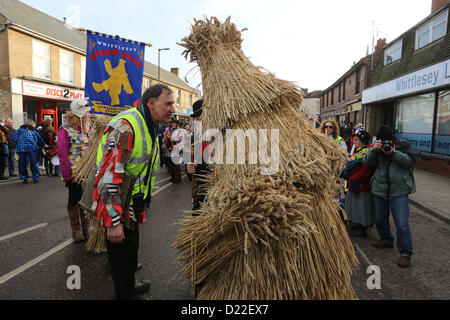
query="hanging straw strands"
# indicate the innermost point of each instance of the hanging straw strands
(96, 242)
(263, 236)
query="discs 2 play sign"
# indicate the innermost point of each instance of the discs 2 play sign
(114, 73)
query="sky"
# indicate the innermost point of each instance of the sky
(311, 43)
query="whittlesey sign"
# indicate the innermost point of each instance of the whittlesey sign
(435, 76)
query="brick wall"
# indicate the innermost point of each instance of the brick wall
(5, 97)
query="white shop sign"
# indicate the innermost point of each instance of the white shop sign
(36, 89)
(428, 78)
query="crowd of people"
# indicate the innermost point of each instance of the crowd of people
(35, 147)
(376, 182)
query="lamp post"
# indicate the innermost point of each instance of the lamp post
(159, 50)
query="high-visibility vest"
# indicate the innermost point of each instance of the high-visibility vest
(139, 163)
(337, 139)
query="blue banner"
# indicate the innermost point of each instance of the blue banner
(114, 73)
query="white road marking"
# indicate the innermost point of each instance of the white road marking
(31, 263)
(8, 236)
(363, 255)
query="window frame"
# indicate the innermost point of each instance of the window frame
(430, 28)
(396, 46)
(61, 51)
(35, 56)
(83, 70)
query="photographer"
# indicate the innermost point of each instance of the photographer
(391, 184)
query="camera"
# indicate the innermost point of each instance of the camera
(386, 145)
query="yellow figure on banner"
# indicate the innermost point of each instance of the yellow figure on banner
(113, 85)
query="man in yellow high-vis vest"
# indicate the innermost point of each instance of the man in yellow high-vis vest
(126, 160)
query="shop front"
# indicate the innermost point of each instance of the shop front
(417, 106)
(41, 101)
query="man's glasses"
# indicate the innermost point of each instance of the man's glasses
(329, 127)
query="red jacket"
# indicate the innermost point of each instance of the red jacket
(361, 175)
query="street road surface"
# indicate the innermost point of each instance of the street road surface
(36, 250)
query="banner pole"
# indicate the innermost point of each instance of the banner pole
(109, 35)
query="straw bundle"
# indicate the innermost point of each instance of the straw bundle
(263, 236)
(99, 123)
(96, 242)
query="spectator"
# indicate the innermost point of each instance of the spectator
(161, 130)
(3, 149)
(73, 141)
(359, 204)
(347, 135)
(167, 146)
(28, 143)
(11, 147)
(331, 129)
(391, 184)
(50, 151)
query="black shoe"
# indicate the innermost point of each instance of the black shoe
(4, 178)
(35, 181)
(25, 182)
(13, 175)
(360, 231)
(142, 287)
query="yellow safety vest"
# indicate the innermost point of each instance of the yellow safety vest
(141, 153)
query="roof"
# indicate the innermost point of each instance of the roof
(24, 16)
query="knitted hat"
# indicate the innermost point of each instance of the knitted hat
(385, 133)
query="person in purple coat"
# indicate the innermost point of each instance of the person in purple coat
(72, 143)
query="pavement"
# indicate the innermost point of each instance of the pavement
(433, 194)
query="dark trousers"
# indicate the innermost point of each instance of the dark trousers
(174, 170)
(122, 258)
(48, 165)
(3, 158)
(75, 193)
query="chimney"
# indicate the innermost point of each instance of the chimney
(380, 44)
(175, 71)
(64, 20)
(437, 4)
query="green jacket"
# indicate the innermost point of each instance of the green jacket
(393, 175)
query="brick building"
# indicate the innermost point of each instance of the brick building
(342, 100)
(42, 67)
(410, 89)
(311, 104)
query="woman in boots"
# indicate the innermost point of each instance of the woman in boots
(359, 204)
(72, 143)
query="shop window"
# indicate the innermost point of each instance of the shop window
(442, 138)
(41, 59)
(179, 97)
(393, 52)
(147, 83)
(190, 100)
(65, 66)
(432, 30)
(83, 70)
(30, 110)
(414, 121)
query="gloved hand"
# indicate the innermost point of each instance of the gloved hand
(354, 186)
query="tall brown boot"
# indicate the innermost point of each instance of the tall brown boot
(74, 218)
(84, 224)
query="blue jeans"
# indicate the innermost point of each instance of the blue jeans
(5, 152)
(400, 212)
(11, 160)
(24, 159)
